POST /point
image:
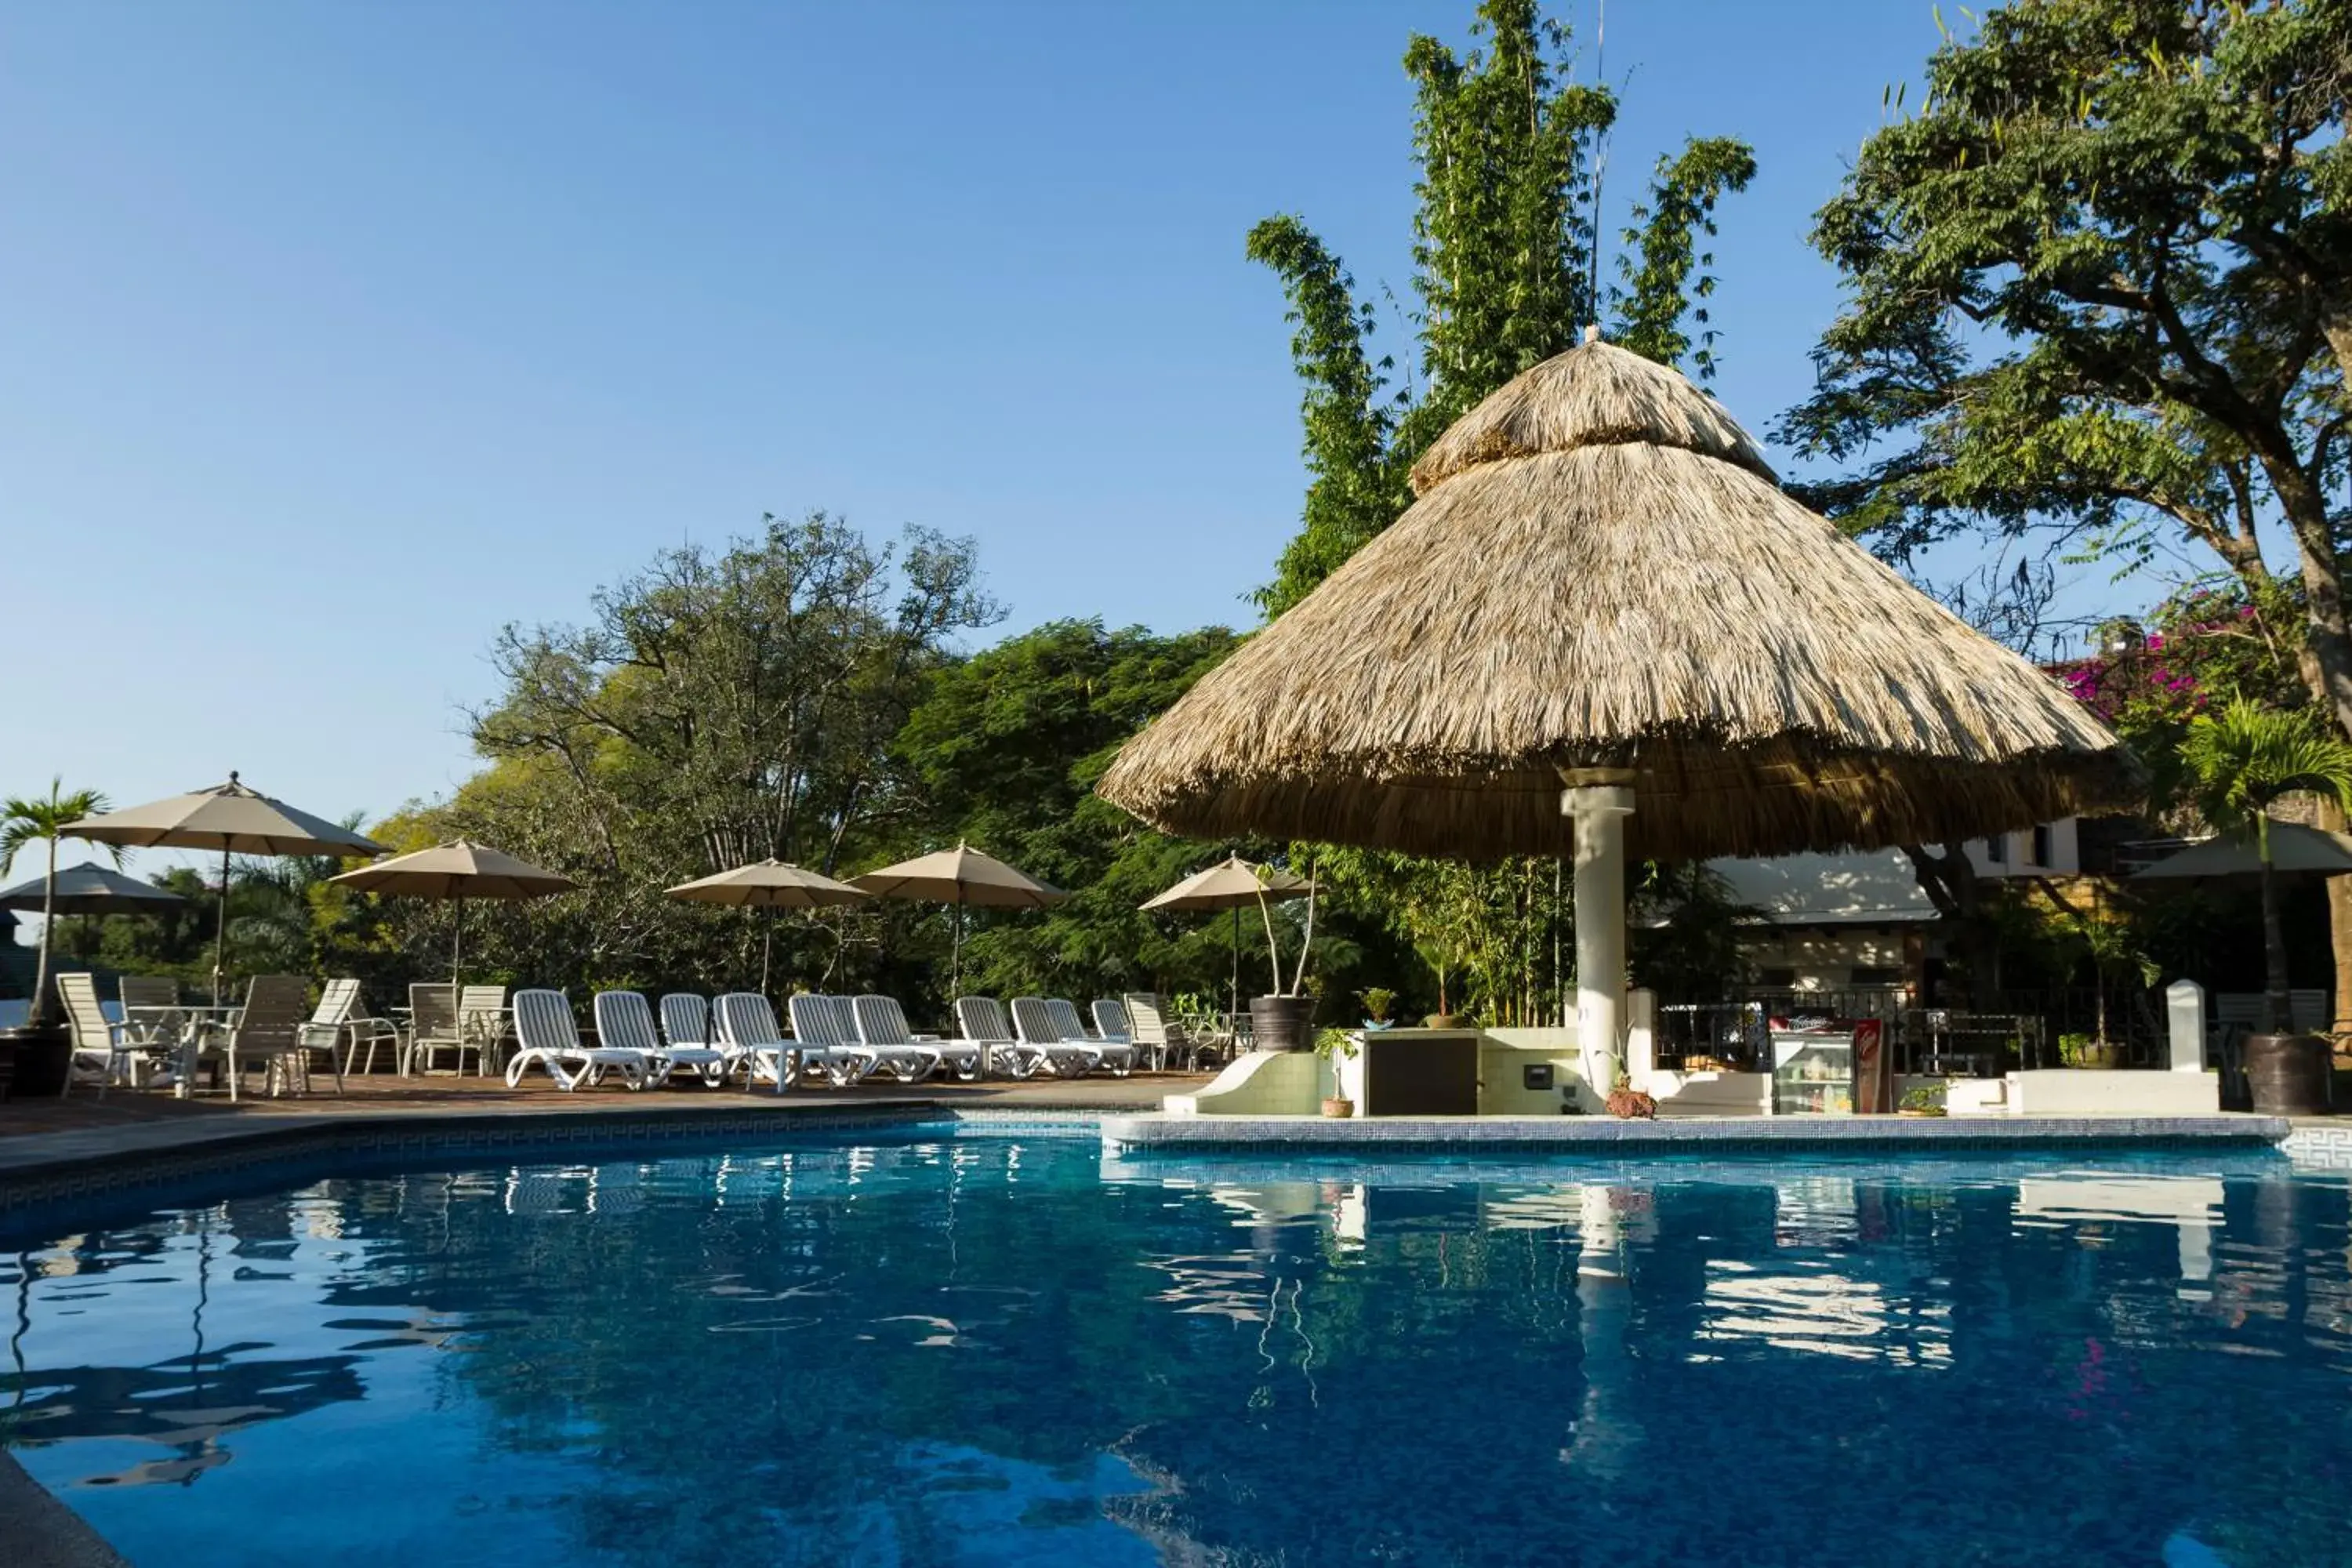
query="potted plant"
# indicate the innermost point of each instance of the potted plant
(1443, 966)
(1280, 1020)
(43, 1047)
(1336, 1045)
(1630, 1104)
(1378, 1001)
(1926, 1099)
(2108, 945)
(2243, 760)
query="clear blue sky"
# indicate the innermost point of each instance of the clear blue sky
(336, 336)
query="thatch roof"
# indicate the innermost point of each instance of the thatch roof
(1600, 572)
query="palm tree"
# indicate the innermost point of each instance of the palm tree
(2243, 760)
(35, 821)
(2110, 946)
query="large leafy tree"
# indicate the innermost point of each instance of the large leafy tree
(1505, 234)
(2100, 292)
(1004, 750)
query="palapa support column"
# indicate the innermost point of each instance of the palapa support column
(1596, 801)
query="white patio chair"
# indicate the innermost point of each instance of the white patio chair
(152, 1014)
(1037, 1027)
(1116, 1055)
(338, 1024)
(482, 1027)
(624, 1022)
(747, 1028)
(826, 1032)
(882, 1025)
(432, 1028)
(96, 1037)
(546, 1036)
(266, 1031)
(1153, 1037)
(980, 1020)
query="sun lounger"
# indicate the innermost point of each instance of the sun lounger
(747, 1029)
(548, 1038)
(1035, 1025)
(980, 1021)
(625, 1022)
(882, 1025)
(685, 1021)
(827, 1037)
(1114, 1054)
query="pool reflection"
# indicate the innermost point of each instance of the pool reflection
(997, 1350)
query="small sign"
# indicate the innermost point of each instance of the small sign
(1535, 1075)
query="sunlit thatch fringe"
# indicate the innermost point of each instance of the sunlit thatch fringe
(1636, 593)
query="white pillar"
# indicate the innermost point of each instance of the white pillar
(1598, 801)
(1640, 1037)
(2184, 1017)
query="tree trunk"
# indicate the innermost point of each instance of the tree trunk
(2281, 1017)
(2339, 923)
(37, 1013)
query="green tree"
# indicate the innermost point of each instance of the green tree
(2244, 760)
(1004, 750)
(2100, 293)
(1504, 251)
(27, 820)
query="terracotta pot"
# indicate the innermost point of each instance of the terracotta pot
(2288, 1074)
(1338, 1109)
(1282, 1023)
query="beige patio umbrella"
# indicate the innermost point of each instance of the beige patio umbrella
(230, 818)
(1236, 884)
(769, 884)
(458, 870)
(1600, 597)
(959, 877)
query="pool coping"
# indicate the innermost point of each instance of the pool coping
(1172, 1133)
(43, 1532)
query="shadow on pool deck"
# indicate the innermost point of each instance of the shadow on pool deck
(386, 1095)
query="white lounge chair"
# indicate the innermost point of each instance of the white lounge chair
(980, 1021)
(1116, 1055)
(1110, 1019)
(882, 1025)
(1035, 1025)
(747, 1029)
(686, 1022)
(625, 1022)
(826, 1034)
(548, 1037)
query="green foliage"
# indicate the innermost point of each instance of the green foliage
(1336, 1045)
(1505, 146)
(2245, 758)
(1660, 290)
(2101, 284)
(1687, 935)
(1004, 750)
(27, 820)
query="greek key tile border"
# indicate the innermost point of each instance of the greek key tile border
(2319, 1148)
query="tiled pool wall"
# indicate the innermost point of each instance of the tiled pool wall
(2319, 1148)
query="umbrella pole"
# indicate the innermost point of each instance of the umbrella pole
(767, 949)
(220, 932)
(457, 943)
(955, 950)
(1233, 995)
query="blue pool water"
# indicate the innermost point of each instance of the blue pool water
(1000, 1350)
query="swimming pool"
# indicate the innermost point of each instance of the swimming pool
(922, 1348)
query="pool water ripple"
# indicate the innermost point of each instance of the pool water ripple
(1016, 1348)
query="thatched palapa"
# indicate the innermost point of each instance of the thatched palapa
(1601, 573)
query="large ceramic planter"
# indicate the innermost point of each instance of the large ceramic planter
(44, 1054)
(1282, 1023)
(2287, 1074)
